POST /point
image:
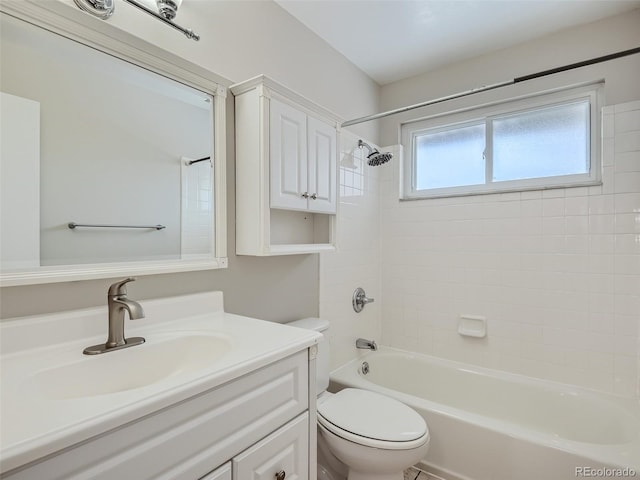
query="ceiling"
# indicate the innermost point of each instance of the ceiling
(395, 39)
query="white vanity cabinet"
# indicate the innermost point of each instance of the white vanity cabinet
(221, 473)
(286, 171)
(254, 427)
(284, 452)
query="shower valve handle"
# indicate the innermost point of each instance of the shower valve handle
(359, 300)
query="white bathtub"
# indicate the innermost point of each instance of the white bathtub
(490, 425)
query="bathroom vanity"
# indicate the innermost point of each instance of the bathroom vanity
(209, 395)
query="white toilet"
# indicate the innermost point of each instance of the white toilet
(362, 435)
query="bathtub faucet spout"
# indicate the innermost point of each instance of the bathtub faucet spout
(366, 344)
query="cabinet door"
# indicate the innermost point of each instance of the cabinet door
(322, 179)
(222, 473)
(288, 156)
(282, 455)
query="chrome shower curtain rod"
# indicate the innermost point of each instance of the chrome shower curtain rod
(494, 86)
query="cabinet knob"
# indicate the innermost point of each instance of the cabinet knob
(280, 475)
(305, 195)
(314, 196)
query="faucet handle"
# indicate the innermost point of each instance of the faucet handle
(119, 288)
(359, 300)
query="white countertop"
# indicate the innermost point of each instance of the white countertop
(35, 424)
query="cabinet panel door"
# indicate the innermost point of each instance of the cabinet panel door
(322, 166)
(288, 156)
(286, 451)
(222, 473)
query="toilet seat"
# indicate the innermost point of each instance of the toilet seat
(372, 420)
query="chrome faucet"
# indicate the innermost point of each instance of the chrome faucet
(118, 303)
(366, 344)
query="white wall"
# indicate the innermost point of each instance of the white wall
(242, 39)
(569, 46)
(357, 261)
(557, 272)
(239, 40)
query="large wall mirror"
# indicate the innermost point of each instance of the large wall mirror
(107, 167)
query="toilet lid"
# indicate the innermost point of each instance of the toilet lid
(372, 415)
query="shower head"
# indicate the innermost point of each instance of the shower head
(375, 158)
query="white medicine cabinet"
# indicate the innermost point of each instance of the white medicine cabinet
(286, 171)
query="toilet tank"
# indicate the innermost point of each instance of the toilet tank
(322, 360)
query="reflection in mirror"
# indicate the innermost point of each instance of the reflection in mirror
(92, 139)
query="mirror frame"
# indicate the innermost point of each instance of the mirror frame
(70, 22)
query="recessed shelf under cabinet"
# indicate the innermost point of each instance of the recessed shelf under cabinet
(286, 171)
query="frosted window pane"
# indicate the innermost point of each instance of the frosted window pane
(543, 143)
(450, 158)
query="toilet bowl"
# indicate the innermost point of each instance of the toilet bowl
(375, 436)
(362, 435)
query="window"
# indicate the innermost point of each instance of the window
(540, 142)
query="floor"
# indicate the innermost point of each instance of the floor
(415, 474)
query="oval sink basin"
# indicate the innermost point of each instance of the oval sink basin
(159, 358)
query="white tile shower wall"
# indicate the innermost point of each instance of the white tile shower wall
(356, 263)
(556, 272)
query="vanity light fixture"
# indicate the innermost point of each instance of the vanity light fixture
(167, 10)
(100, 8)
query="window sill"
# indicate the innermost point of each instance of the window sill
(469, 191)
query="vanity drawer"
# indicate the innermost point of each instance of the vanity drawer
(282, 455)
(186, 440)
(222, 473)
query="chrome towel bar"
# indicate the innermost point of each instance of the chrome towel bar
(73, 225)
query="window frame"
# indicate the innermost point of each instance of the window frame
(485, 114)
